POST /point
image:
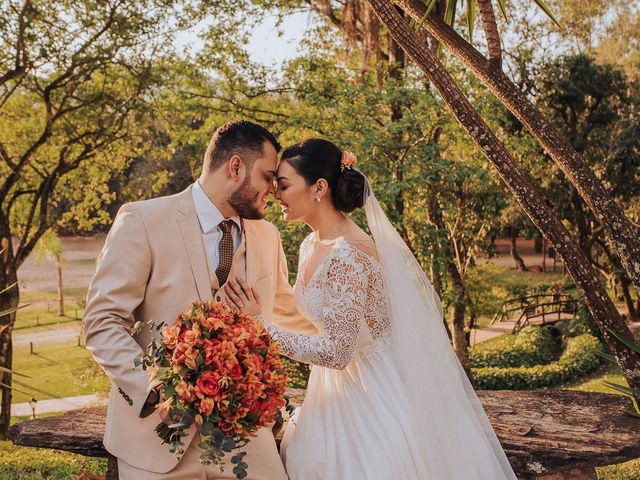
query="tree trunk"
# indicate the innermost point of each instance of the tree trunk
(633, 314)
(513, 234)
(492, 243)
(491, 33)
(596, 298)
(60, 290)
(458, 337)
(8, 300)
(371, 42)
(624, 235)
(437, 252)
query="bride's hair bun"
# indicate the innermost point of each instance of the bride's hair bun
(350, 191)
(317, 158)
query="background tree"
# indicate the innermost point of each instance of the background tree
(623, 233)
(597, 109)
(600, 305)
(74, 80)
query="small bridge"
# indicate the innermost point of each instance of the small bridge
(541, 309)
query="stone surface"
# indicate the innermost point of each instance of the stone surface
(547, 434)
(77, 431)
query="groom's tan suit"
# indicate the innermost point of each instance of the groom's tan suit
(153, 265)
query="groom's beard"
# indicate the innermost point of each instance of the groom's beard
(244, 201)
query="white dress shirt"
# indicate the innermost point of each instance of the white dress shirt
(210, 217)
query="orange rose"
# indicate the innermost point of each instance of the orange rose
(170, 335)
(185, 391)
(185, 354)
(206, 406)
(192, 336)
(210, 351)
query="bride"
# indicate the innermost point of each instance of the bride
(387, 398)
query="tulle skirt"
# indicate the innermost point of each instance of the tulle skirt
(356, 424)
(353, 425)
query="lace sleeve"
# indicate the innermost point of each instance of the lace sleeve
(343, 312)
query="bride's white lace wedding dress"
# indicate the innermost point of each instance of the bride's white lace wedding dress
(358, 420)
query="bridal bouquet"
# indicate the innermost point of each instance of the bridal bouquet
(220, 371)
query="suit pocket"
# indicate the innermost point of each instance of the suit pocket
(265, 287)
(264, 277)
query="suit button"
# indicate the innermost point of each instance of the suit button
(218, 298)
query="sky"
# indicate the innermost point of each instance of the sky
(267, 46)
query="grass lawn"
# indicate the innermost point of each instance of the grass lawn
(33, 319)
(43, 309)
(57, 370)
(39, 463)
(502, 341)
(71, 294)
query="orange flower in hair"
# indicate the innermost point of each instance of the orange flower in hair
(348, 160)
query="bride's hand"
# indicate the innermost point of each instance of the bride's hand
(243, 296)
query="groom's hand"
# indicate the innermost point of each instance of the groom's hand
(243, 296)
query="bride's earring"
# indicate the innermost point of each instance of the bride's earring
(317, 198)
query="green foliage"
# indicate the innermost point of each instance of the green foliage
(470, 12)
(579, 358)
(297, 372)
(489, 285)
(585, 323)
(41, 463)
(533, 345)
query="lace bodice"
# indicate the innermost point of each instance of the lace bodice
(345, 298)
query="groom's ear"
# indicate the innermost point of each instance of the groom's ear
(234, 167)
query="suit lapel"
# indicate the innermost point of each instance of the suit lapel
(251, 252)
(192, 238)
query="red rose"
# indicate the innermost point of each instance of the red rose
(209, 385)
(236, 371)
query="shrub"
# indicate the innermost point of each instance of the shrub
(533, 346)
(579, 358)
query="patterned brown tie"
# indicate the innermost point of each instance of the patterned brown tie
(225, 252)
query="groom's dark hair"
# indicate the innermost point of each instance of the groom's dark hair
(238, 137)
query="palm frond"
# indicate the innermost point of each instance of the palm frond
(16, 389)
(14, 309)
(13, 372)
(450, 12)
(629, 392)
(503, 9)
(608, 357)
(430, 6)
(9, 287)
(471, 17)
(631, 344)
(543, 6)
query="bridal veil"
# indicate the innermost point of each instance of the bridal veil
(455, 437)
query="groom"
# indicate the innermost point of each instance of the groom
(165, 253)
